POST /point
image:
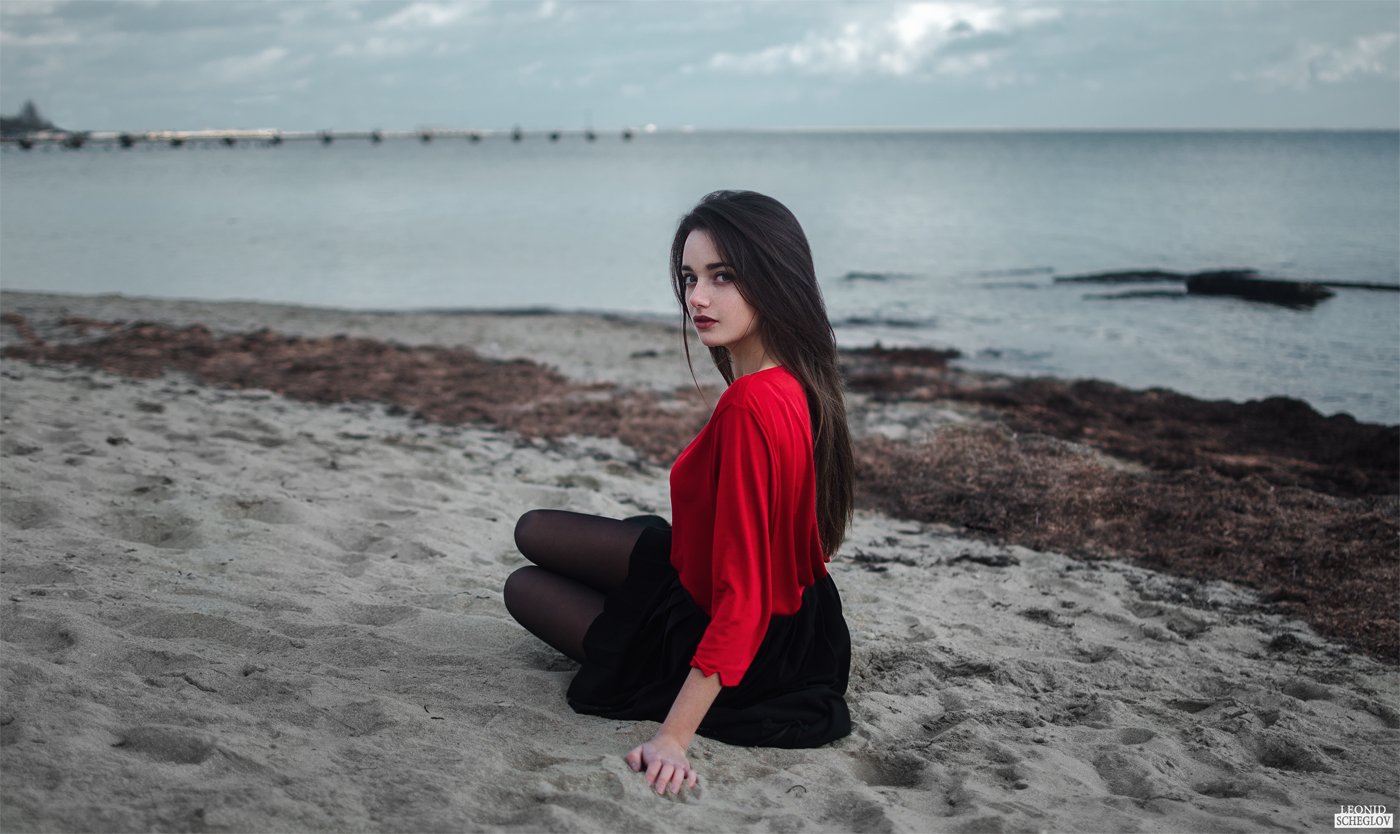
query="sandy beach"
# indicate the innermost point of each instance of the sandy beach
(239, 598)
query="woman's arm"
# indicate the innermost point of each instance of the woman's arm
(664, 756)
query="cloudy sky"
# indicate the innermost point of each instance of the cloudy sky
(138, 64)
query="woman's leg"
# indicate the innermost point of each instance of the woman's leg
(586, 548)
(578, 558)
(554, 608)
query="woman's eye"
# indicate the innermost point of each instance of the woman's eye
(723, 276)
(688, 279)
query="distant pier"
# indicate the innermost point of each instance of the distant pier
(231, 138)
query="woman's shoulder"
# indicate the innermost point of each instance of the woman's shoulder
(761, 389)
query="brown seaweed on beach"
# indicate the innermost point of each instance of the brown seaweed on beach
(448, 385)
(1268, 494)
(1283, 440)
(1330, 560)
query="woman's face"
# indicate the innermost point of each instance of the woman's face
(721, 316)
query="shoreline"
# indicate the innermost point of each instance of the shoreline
(253, 571)
(242, 314)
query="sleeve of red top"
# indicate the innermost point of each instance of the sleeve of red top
(741, 591)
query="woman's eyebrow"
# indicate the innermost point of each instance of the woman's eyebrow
(711, 267)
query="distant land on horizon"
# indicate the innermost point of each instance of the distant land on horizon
(29, 120)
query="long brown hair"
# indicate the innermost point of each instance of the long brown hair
(762, 240)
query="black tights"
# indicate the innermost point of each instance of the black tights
(577, 559)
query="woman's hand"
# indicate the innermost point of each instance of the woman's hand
(665, 763)
(664, 756)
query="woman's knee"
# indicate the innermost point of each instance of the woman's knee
(533, 529)
(516, 589)
(527, 529)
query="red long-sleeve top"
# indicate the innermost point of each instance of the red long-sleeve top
(744, 535)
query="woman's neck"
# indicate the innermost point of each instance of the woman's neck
(750, 357)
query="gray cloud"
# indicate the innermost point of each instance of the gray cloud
(1311, 62)
(305, 65)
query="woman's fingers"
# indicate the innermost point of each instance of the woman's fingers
(664, 777)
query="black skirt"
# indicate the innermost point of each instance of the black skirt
(638, 653)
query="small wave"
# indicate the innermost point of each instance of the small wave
(1130, 276)
(1010, 285)
(1012, 354)
(877, 277)
(1015, 272)
(1113, 296)
(880, 321)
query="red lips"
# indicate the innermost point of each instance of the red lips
(703, 320)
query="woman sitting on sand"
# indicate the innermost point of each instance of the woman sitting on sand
(727, 623)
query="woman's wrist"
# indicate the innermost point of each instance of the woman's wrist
(692, 702)
(678, 737)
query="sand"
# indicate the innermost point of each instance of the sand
(230, 611)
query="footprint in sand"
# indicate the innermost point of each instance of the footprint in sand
(1387, 714)
(16, 447)
(154, 662)
(1306, 690)
(1286, 751)
(377, 615)
(847, 811)
(1136, 735)
(50, 575)
(358, 718)
(918, 629)
(1095, 653)
(353, 565)
(388, 513)
(1223, 789)
(42, 637)
(259, 508)
(153, 488)
(1137, 776)
(171, 530)
(895, 671)
(205, 627)
(892, 769)
(1180, 621)
(62, 433)
(28, 513)
(176, 745)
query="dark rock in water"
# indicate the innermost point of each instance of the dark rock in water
(1243, 284)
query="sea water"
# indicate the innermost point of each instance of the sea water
(940, 238)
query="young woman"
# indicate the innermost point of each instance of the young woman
(727, 623)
